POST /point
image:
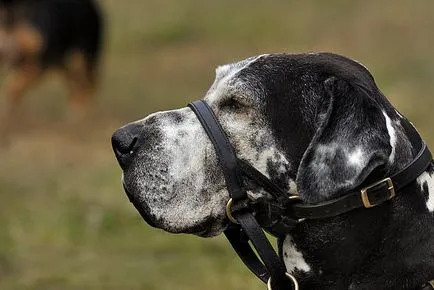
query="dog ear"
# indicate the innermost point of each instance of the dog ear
(350, 143)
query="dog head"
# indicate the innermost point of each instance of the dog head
(315, 124)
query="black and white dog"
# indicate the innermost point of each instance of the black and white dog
(277, 115)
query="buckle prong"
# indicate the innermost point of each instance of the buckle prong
(364, 192)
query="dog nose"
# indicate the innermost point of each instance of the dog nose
(124, 143)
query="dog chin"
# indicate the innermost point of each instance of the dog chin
(207, 229)
(207, 233)
(211, 227)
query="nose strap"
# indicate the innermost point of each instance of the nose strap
(225, 153)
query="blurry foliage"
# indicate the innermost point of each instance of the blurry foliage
(64, 220)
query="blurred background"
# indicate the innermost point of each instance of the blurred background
(65, 222)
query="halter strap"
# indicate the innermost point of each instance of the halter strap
(272, 268)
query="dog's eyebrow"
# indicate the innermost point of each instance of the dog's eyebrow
(243, 99)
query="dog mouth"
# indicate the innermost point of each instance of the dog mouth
(204, 230)
(140, 207)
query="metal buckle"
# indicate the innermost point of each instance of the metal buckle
(365, 196)
(290, 277)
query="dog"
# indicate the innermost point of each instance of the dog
(39, 35)
(277, 115)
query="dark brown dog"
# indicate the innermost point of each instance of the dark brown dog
(37, 35)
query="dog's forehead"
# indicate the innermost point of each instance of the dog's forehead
(232, 68)
(226, 78)
(282, 73)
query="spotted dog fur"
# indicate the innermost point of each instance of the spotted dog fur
(317, 125)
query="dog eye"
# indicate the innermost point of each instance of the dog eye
(231, 103)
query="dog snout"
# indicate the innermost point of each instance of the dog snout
(125, 142)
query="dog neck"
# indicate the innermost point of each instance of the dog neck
(368, 249)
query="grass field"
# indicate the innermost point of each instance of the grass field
(64, 220)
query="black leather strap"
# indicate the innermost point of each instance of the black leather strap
(239, 239)
(272, 265)
(226, 156)
(376, 195)
(413, 170)
(261, 179)
(240, 243)
(265, 251)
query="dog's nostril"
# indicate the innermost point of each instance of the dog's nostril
(124, 142)
(132, 145)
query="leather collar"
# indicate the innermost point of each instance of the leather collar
(370, 196)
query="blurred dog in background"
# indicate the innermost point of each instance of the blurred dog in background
(40, 35)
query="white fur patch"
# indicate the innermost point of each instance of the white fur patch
(292, 257)
(326, 152)
(393, 137)
(184, 142)
(273, 155)
(260, 163)
(356, 158)
(429, 179)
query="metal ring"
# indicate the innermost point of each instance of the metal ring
(229, 212)
(295, 197)
(290, 277)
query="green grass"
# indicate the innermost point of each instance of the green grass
(64, 220)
